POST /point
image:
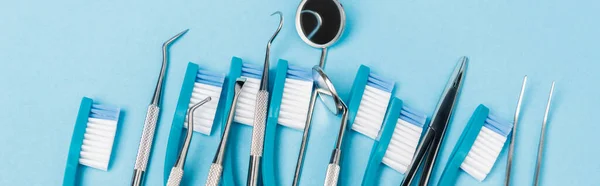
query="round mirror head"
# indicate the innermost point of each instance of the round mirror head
(326, 91)
(320, 23)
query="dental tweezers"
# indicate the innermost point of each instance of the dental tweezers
(428, 150)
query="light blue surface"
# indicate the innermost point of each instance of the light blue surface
(55, 52)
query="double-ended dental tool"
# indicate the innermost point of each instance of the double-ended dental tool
(216, 169)
(148, 132)
(260, 115)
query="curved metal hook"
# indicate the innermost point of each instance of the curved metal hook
(319, 22)
(264, 80)
(188, 137)
(278, 28)
(163, 69)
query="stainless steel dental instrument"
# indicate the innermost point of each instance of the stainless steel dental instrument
(144, 149)
(429, 147)
(177, 171)
(330, 98)
(314, 33)
(260, 115)
(216, 169)
(511, 147)
(538, 164)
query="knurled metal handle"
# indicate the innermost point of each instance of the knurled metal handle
(260, 119)
(214, 175)
(175, 176)
(147, 137)
(333, 172)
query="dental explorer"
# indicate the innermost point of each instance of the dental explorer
(216, 169)
(333, 13)
(538, 164)
(428, 149)
(177, 170)
(513, 137)
(260, 115)
(148, 132)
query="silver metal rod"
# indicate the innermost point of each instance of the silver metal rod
(540, 153)
(311, 109)
(511, 147)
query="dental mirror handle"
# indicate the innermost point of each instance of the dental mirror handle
(311, 109)
(333, 169)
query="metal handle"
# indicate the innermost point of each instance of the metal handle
(258, 136)
(214, 175)
(260, 119)
(175, 176)
(333, 172)
(141, 161)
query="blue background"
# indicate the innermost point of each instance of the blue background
(55, 52)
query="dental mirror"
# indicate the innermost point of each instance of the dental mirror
(320, 23)
(326, 91)
(330, 98)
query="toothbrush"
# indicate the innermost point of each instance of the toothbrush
(295, 97)
(368, 104)
(382, 142)
(92, 140)
(478, 147)
(197, 85)
(145, 147)
(216, 169)
(289, 106)
(260, 115)
(404, 141)
(369, 100)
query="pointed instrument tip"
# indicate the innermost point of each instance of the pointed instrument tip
(175, 37)
(461, 66)
(464, 60)
(277, 12)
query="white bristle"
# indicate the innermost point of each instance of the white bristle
(205, 116)
(294, 103)
(483, 153)
(371, 111)
(97, 143)
(244, 112)
(403, 145)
